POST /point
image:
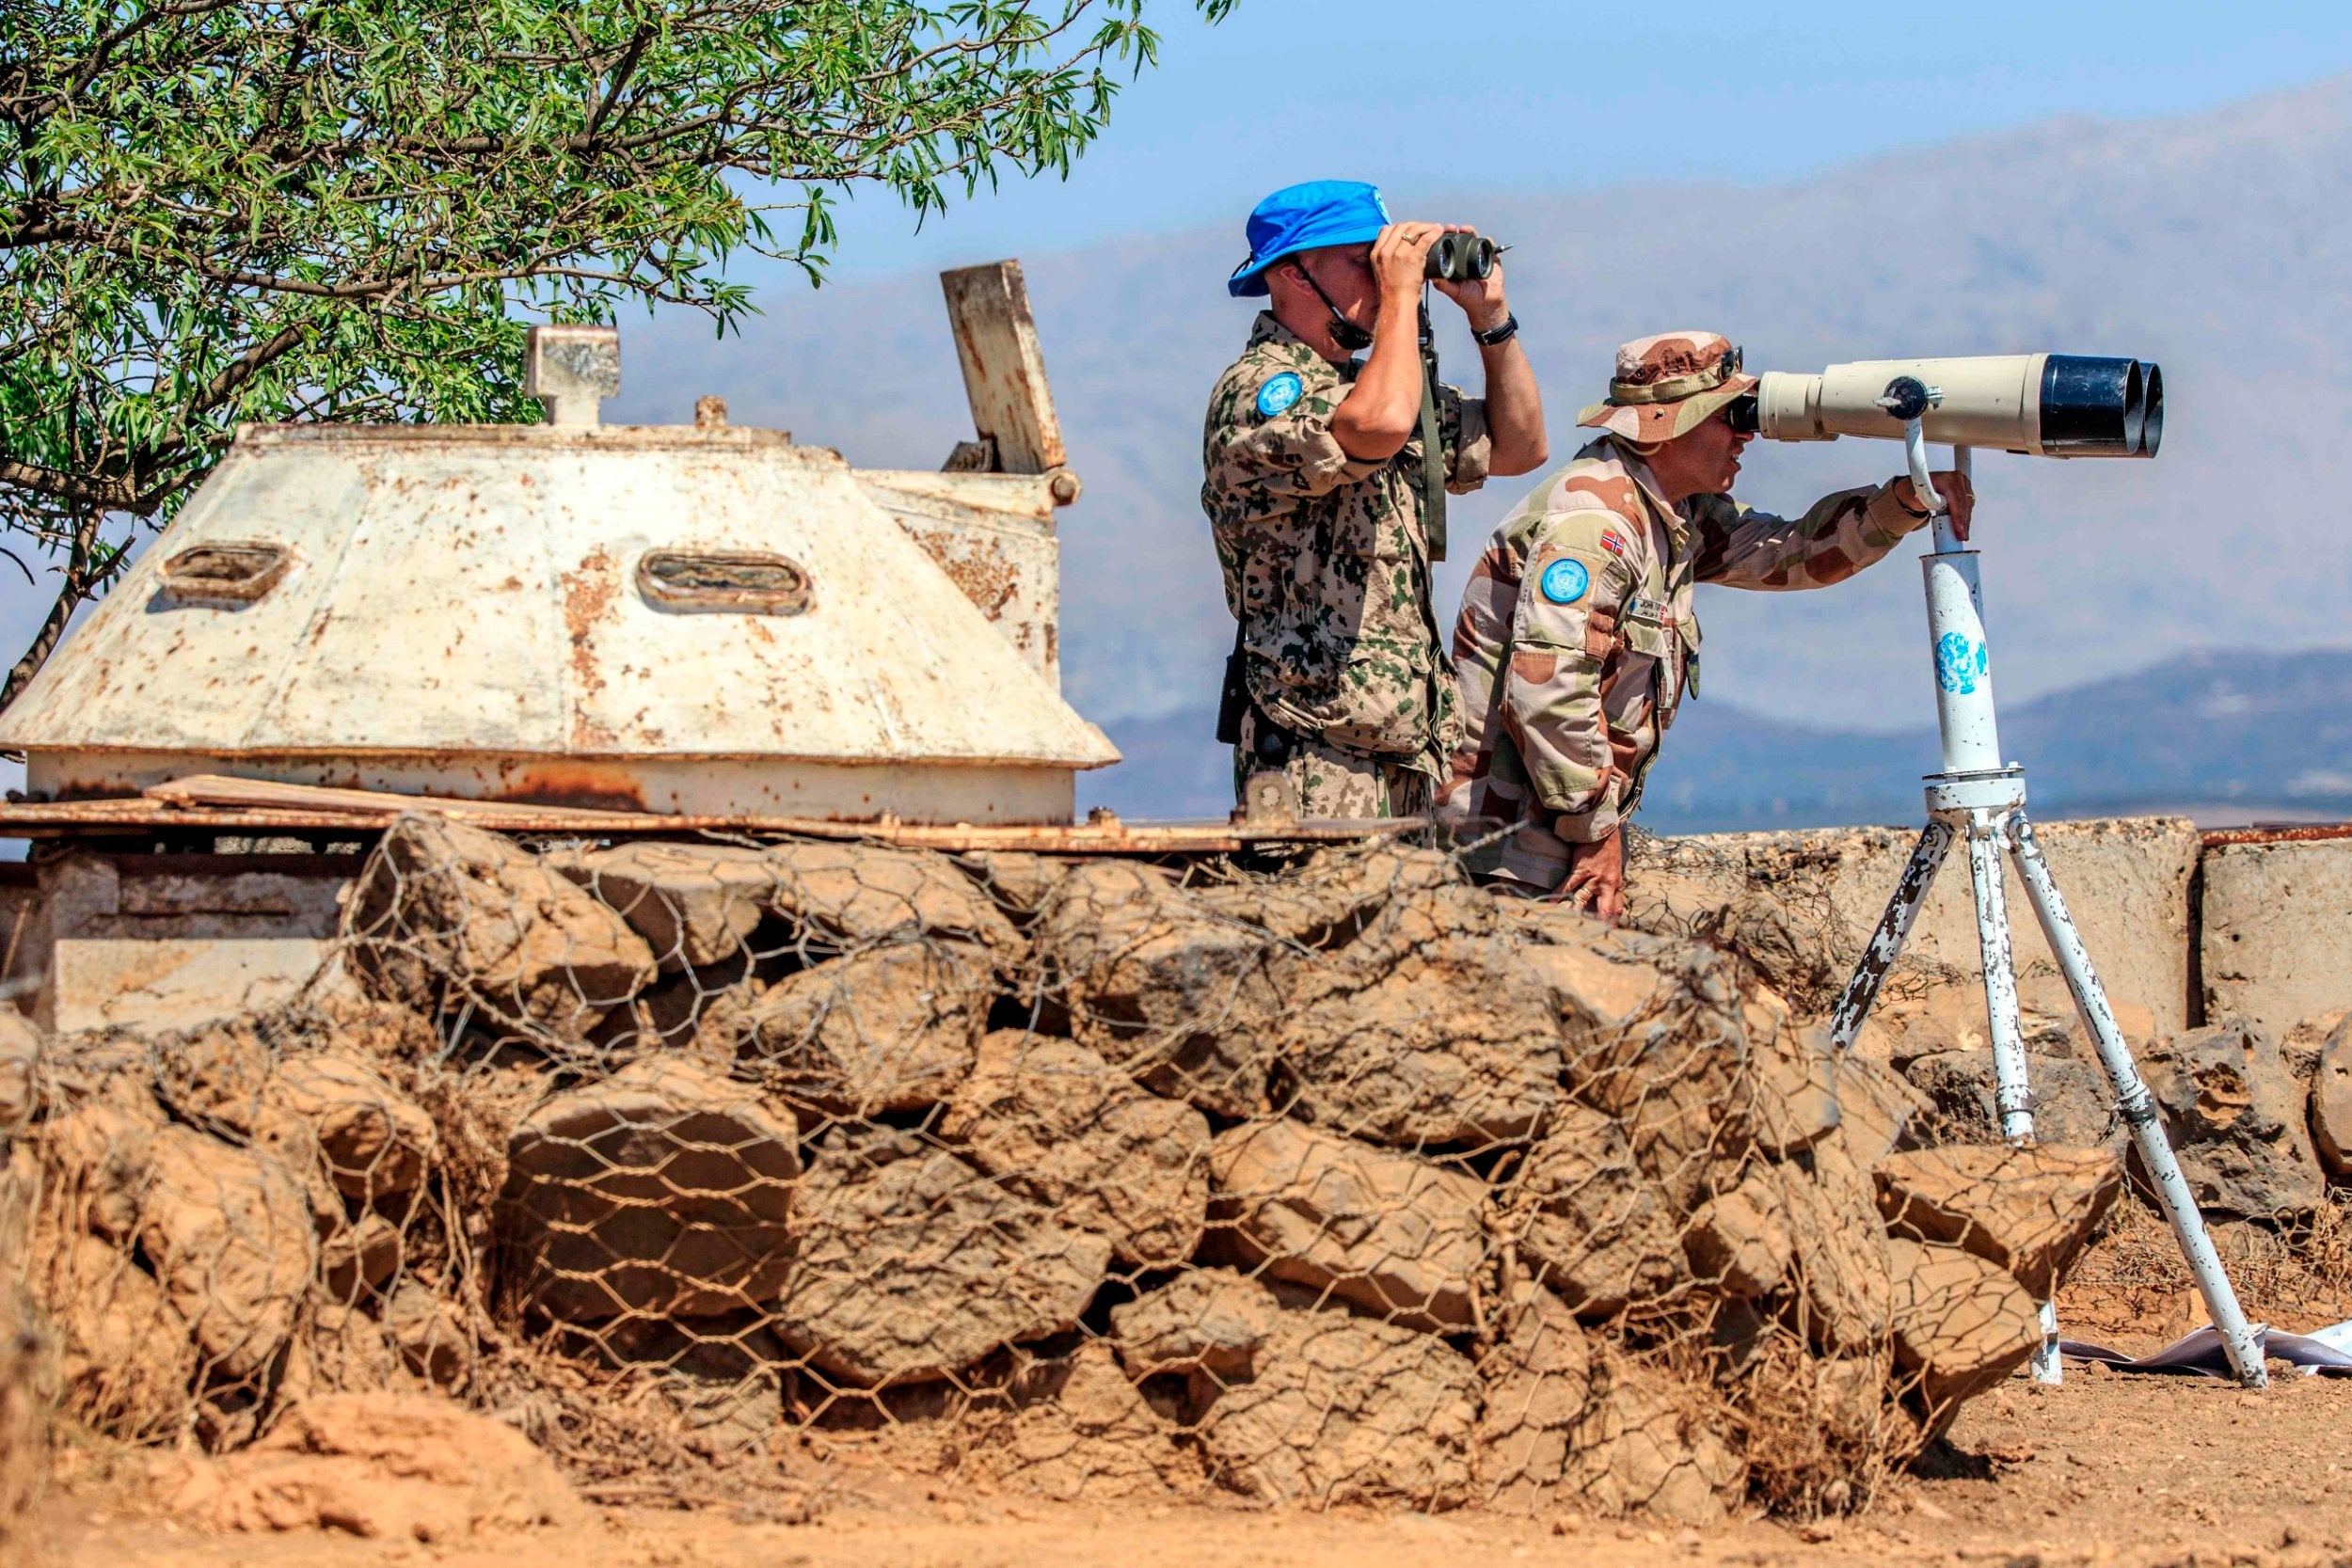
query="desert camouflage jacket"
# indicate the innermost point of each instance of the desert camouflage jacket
(1325, 555)
(1577, 640)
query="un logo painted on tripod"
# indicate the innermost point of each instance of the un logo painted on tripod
(1960, 663)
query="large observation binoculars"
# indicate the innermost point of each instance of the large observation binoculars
(2042, 405)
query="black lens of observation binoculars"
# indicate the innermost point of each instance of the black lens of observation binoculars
(2093, 408)
(2151, 409)
(1739, 413)
(1460, 258)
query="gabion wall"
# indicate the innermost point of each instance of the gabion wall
(1337, 1181)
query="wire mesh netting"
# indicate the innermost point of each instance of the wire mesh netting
(1331, 1179)
(27, 1388)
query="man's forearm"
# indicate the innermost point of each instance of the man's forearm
(1383, 409)
(1515, 411)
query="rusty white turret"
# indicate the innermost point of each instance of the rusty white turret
(699, 618)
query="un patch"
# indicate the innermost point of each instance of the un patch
(1279, 393)
(1960, 663)
(1565, 581)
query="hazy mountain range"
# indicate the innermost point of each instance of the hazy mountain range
(2218, 245)
(2227, 738)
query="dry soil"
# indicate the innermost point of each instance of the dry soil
(2109, 1469)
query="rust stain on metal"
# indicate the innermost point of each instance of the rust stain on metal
(588, 594)
(987, 577)
(573, 784)
(99, 792)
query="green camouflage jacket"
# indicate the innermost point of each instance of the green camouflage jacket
(1326, 560)
(1577, 640)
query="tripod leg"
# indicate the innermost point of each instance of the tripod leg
(1887, 942)
(2012, 1094)
(2137, 1108)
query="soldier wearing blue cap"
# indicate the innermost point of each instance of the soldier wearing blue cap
(1325, 486)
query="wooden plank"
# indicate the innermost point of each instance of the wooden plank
(104, 818)
(1106, 836)
(1003, 368)
(219, 790)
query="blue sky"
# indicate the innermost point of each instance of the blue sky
(1530, 94)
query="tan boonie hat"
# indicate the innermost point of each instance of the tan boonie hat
(1668, 384)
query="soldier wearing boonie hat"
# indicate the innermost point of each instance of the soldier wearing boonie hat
(1322, 481)
(1576, 641)
(1667, 385)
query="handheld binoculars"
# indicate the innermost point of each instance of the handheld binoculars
(2041, 404)
(1461, 258)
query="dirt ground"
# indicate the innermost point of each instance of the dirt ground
(2109, 1469)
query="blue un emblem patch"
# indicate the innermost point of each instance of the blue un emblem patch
(1565, 581)
(1279, 393)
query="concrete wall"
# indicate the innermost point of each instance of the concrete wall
(1803, 904)
(2277, 941)
(169, 942)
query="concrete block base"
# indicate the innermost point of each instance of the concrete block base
(2276, 947)
(1802, 905)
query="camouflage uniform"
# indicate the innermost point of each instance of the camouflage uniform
(1577, 637)
(1327, 567)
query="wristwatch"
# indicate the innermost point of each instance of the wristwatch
(1503, 333)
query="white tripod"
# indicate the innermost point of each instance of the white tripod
(1976, 796)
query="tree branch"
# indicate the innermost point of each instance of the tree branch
(81, 582)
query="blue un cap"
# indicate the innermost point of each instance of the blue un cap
(1301, 217)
